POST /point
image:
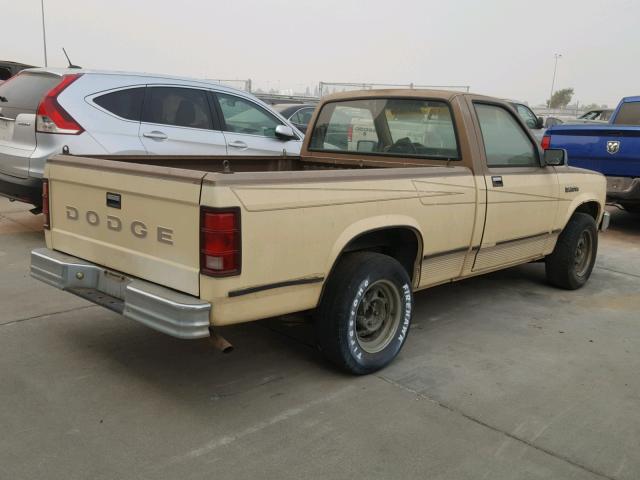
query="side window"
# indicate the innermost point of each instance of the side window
(505, 142)
(182, 107)
(296, 118)
(123, 103)
(243, 116)
(527, 116)
(305, 115)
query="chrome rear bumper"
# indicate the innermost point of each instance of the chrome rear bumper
(174, 313)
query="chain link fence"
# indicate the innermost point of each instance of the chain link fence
(239, 84)
(326, 88)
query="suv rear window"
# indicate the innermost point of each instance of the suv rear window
(629, 114)
(24, 91)
(387, 126)
(123, 103)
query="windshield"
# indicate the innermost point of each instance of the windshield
(592, 115)
(394, 126)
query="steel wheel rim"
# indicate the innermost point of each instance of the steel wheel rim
(583, 254)
(378, 316)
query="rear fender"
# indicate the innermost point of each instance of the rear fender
(367, 225)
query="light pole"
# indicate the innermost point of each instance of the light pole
(44, 34)
(555, 67)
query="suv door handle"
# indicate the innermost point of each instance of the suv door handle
(238, 144)
(155, 134)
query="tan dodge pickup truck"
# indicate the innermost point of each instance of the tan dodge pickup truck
(435, 187)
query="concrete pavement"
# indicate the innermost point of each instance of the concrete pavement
(502, 377)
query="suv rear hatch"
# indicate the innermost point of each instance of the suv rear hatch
(19, 99)
(139, 220)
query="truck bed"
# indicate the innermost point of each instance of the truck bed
(140, 215)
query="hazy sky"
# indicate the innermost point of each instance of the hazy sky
(499, 47)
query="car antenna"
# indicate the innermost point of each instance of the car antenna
(71, 65)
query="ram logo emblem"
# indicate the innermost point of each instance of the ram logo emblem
(613, 147)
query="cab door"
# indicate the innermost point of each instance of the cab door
(522, 195)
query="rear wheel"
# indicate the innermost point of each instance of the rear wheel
(571, 262)
(365, 312)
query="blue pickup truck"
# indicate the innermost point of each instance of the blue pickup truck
(612, 149)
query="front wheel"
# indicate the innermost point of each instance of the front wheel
(364, 316)
(571, 262)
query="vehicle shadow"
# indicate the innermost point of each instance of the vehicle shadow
(273, 351)
(624, 223)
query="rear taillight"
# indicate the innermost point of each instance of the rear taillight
(220, 242)
(45, 204)
(546, 142)
(51, 117)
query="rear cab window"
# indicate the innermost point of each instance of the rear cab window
(22, 93)
(177, 106)
(629, 114)
(125, 103)
(387, 126)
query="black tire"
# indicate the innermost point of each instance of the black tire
(566, 267)
(353, 303)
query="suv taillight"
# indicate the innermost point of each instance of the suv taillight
(220, 242)
(546, 142)
(51, 117)
(45, 204)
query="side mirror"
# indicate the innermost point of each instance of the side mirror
(555, 157)
(284, 132)
(539, 122)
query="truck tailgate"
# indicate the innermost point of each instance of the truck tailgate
(135, 219)
(609, 149)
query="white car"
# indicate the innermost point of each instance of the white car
(96, 113)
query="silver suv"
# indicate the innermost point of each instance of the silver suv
(91, 112)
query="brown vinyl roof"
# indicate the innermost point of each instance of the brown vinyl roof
(390, 92)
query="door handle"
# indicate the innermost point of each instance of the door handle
(238, 144)
(155, 134)
(497, 181)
